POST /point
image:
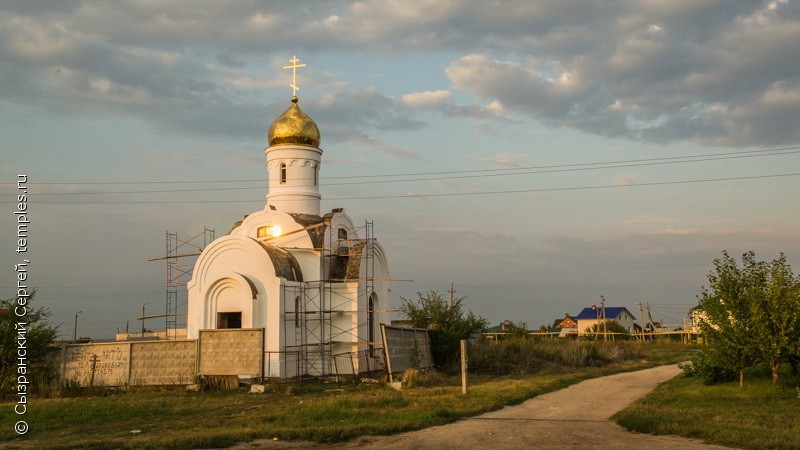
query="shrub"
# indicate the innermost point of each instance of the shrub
(448, 324)
(410, 378)
(702, 367)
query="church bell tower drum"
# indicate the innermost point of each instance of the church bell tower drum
(294, 158)
(293, 162)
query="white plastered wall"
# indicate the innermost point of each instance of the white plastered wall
(300, 192)
(220, 284)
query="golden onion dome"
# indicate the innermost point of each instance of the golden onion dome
(293, 127)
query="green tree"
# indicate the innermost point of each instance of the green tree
(518, 330)
(775, 306)
(38, 339)
(612, 329)
(447, 321)
(727, 319)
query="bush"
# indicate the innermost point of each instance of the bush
(448, 325)
(615, 331)
(702, 367)
(410, 378)
(37, 334)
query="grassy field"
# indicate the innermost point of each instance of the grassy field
(758, 416)
(317, 411)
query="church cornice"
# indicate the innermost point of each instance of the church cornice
(300, 162)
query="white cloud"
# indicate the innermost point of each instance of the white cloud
(426, 99)
(715, 73)
(506, 159)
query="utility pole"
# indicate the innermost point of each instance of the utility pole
(451, 294)
(603, 315)
(143, 318)
(650, 318)
(75, 330)
(641, 317)
(685, 336)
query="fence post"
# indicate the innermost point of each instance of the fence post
(198, 350)
(130, 362)
(388, 360)
(263, 351)
(464, 367)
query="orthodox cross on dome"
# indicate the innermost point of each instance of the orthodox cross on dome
(294, 68)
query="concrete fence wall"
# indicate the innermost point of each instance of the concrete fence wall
(232, 352)
(406, 348)
(216, 352)
(163, 362)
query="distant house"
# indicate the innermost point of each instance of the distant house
(564, 326)
(594, 314)
(505, 327)
(567, 322)
(697, 315)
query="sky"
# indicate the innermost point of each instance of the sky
(536, 155)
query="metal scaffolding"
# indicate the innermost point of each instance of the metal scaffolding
(180, 258)
(309, 306)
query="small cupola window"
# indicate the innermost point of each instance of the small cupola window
(268, 231)
(283, 173)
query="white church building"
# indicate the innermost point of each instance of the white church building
(315, 282)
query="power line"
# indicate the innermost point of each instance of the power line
(446, 194)
(82, 286)
(485, 172)
(554, 169)
(576, 188)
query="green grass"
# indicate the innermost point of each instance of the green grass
(758, 416)
(316, 411)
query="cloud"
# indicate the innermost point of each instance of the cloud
(682, 73)
(506, 159)
(715, 73)
(426, 99)
(627, 179)
(441, 102)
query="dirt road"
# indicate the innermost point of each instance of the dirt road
(574, 417)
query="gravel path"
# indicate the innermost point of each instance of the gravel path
(574, 417)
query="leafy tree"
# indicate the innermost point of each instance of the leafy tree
(775, 304)
(751, 313)
(448, 323)
(727, 321)
(612, 328)
(39, 336)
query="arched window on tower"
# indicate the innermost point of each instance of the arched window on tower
(316, 174)
(373, 299)
(283, 173)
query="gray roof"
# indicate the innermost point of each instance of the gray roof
(347, 265)
(286, 266)
(317, 234)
